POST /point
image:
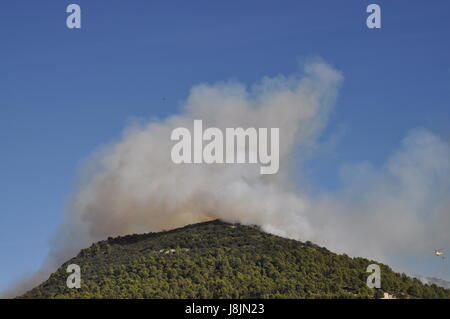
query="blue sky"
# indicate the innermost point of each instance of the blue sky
(64, 93)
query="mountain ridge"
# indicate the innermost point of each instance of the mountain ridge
(221, 260)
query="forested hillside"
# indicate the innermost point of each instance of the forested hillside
(220, 260)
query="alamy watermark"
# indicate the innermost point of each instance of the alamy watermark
(234, 146)
(374, 19)
(73, 20)
(374, 279)
(74, 279)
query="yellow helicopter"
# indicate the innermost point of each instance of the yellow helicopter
(439, 252)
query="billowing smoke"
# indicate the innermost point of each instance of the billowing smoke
(399, 210)
(132, 186)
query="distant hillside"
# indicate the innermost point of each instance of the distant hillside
(437, 281)
(220, 260)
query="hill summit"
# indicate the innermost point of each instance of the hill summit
(220, 260)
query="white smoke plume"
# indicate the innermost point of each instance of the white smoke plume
(135, 187)
(402, 209)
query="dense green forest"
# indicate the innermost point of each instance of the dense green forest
(220, 260)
